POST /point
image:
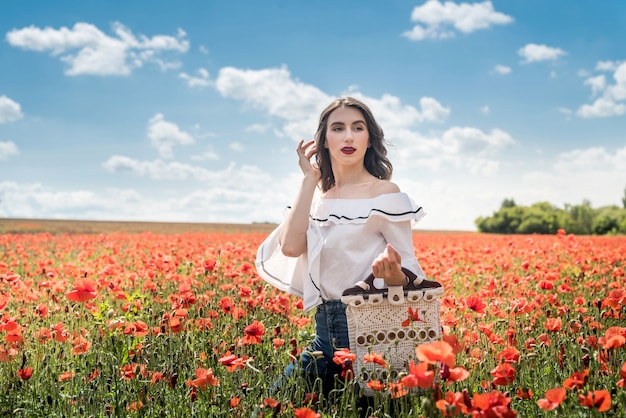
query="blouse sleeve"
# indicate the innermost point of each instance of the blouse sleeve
(285, 273)
(400, 236)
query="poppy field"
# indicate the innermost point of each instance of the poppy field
(155, 325)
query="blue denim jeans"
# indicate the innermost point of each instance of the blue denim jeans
(331, 334)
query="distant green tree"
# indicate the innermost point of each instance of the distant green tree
(539, 218)
(580, 218)
(504, 221)
(624, 199)
(608, 220)
(507, 203)
(545, 218)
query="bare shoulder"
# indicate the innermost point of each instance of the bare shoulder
(384, 187)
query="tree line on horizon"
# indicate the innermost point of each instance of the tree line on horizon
(546, 218)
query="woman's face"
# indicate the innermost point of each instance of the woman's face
(347, 138)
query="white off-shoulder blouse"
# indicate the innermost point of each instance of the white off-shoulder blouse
(343, 239)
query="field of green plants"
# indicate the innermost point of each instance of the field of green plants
(164, 325)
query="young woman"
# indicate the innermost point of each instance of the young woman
(348, 220)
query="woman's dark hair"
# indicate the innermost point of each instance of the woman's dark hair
(376, 161)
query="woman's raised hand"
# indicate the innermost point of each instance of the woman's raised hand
(306, 150)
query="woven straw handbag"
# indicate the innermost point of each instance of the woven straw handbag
(390, 322)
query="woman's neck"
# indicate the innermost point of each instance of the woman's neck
(352, 184)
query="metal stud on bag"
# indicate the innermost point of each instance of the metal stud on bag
(390, 322)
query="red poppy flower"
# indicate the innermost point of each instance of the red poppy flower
(598, 399)
(271, 402)
(13, 330)
(25, 373)
(554, 324)
(577, 380)
(254, 332)
(204, 378)
(452, 405)
(419, 376)
(135, 406)
(232, 362)
(492, 404)
(457, 374)
(614, 337)
(81, 345)
(509, 355)
(376, 385)
(84, 290)
(553, 398)
(305, 413)
(413, 317)
(93, 375)
(622, 373)
(344, 358)
(434, 352)
(503, 374)
(375, 358)
(475, 304)
(397, 390)
(175, 324)
(66, 376)
(524, 393)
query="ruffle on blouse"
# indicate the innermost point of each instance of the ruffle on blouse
(301, 276)
(395, 207)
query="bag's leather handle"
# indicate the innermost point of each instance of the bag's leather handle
(366, 287)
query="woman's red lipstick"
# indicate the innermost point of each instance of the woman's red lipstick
(348, 150)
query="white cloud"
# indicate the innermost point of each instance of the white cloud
(10, 110)
(298, 105)
(607, 65)
(457, 147)
(7, 149)
(437, 20)
(237, 147)
(461, 140)
(222, 203)
(501, 69)
(231, 176)
(482, 167)
(485, 110)
(601, 108)
(202, 81)
(611, 103)
(536, 53)
(209, 154)
(463, 148)
(272, 90)
(594, 174)
(583, 73)
(87, 50)
(392, 115)
(598, 83)
(591, 159)
(164, 135)
(258, 128)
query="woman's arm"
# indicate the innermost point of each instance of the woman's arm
(293, 232)
(398, 253)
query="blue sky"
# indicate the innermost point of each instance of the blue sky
(191, 110)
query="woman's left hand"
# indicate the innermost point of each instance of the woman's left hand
(388, 266)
